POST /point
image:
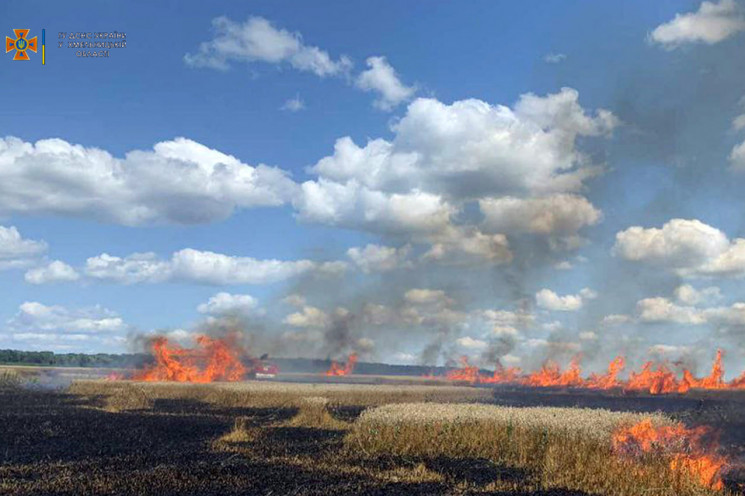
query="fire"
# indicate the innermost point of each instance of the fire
(211, 360)
(652, 378)
(690, 450)
(337, 369)
(551, 375)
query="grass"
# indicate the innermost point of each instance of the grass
(10, 379)
(129, 397)
(314, 413)
(562, 447)
(277, 394)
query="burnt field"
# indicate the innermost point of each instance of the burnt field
(255, 438)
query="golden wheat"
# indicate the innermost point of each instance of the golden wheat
(563, 447)
(275, 394)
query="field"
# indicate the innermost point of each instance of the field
(277, 438)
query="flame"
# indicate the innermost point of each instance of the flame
(688, 449)
(211, 360)
(652, 378)
(337, 369)
(551, 375)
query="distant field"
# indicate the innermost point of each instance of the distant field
(298, 438)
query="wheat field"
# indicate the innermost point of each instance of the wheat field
(565, 447)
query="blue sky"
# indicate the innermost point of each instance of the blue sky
(513, 179)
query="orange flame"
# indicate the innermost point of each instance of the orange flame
(337, 369)
(211, 360)
(688, 449)
(653, 378)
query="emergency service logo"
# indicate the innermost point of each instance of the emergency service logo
(21, 44)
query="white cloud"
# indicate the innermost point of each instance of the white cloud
(296, 300)
(556, 214)
(507, 318)
(55, 271)
(663, 310)
(202, 267)
(381, 77)
(689, 295)
(737, 157)
(257, 40)
(353, 205)
(39, 326)
(55, 177)
(405, 358)
(445, 157)
(688, 247)
(471, 148)
(377, 258)
(712, 23)
(503, 331)
(732, 315)
(308, 317)
(615, 319)
(545, 298)
(471, 343)
(554, 58)
(588, 336)
(468, 246)
(425, 296)
(293, 104)
(229, 304)
(15, 251)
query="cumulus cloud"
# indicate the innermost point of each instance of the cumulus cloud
(507, 318)
(737, 156)
(471, 148)
(201, 267)
(523, 163)
(257, 40)
(377, 258)
(663, 310)
(712, 23)
(554, 58)
(40, 326)
(468, 246)
(15, 250)
(308, 317)
(55, 271)
(293, 104)
(420, 296)
(471, 343)
(688, 247)
(689, 295)
(615, 319)
(353, 205)
(54, 177)
(223, 304)
(545, 298)
(556, 214)
(381, 77)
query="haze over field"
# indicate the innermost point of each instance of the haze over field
(408, 186)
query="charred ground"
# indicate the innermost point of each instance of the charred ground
(55, 442)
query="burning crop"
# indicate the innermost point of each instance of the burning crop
(211, 360)
(655, 378)
(592, 450)
(338, 369)
(693, 451)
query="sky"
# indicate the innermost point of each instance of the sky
(410, 181)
